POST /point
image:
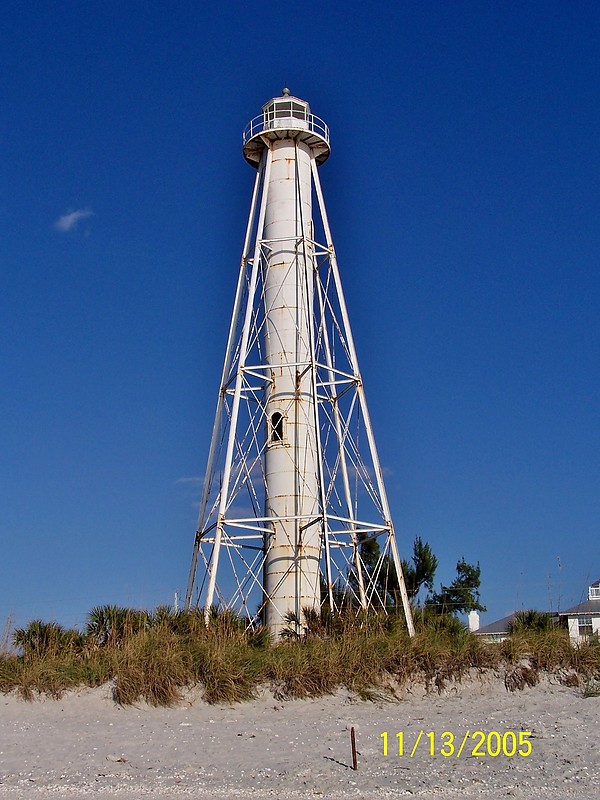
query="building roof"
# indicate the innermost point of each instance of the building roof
(587, 607)
(499, 626)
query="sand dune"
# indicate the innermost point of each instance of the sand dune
(86, 746)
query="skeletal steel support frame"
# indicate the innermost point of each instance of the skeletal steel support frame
(293, 491)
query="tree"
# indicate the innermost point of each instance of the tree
(420, 573)
(46, 640)
(112, 625)
(531, 620)
(462, 595)
(422, 570)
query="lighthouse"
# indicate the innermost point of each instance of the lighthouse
(293, 515)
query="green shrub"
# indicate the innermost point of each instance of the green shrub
(153, 657)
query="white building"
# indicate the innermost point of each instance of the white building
(583, 621)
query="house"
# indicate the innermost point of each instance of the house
(583, 621)
(494, 632)
(501, 629)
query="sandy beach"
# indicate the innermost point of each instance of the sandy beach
(86, 746)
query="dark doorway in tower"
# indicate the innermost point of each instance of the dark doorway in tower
(277, 428)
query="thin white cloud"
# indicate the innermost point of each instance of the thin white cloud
(68, 221)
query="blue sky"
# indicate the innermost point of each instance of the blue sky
(464, 200)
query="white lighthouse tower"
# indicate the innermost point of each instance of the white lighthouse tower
(293, 516)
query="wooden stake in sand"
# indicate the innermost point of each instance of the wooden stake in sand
(353, 740)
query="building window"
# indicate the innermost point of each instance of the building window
(298, 111)
(284, 109)
(585, 626)
(277, 428)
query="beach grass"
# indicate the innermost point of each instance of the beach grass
(155, 656)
